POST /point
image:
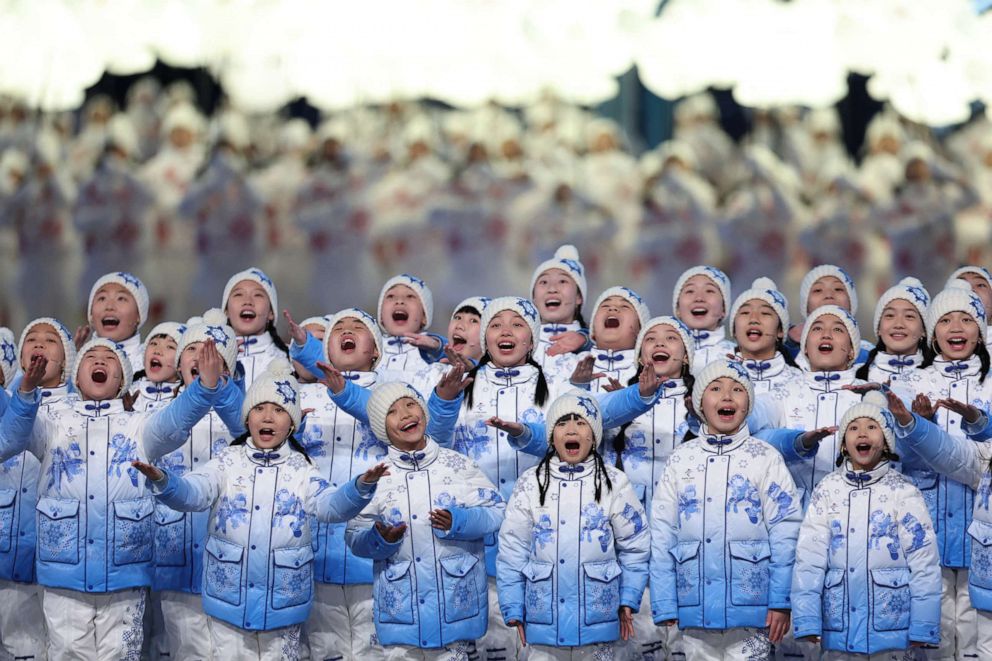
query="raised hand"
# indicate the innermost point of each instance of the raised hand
(923, 407)
(440, 519)
(34, 375)
(296, 332)
(332, 379)
(210, 363)
(970, 413)
(567, 342)
(149, 471)
(391, 534)
(862, 388)
(509, 426)
(372, 475)
(453, 382)
(613, 385)
(583, 374)
(813, 437)
(422, 341)
(81, 335)
(898, 409)
(648, 383)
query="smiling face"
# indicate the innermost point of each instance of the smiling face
(463, 334)
(980, 286)
(828, 290)
(269, 425)
(43, 340)
(405, 425)
(828, 346)
(724, 405)
(900, 327)
(700, 304)
(402, 311)
(957, 335)
(100, 375)
(616, 324)
(557, 297)
(865, 443)
(508, 339)
(663, 350)
(160, 359)
(249, 310)
(572, 438)
(351, 346)
(114, 313)
(757, 328)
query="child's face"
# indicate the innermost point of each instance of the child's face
(572, 438)
(317, 330)
(405, 424)
(189, 366)
(828, 346)
(249, 310)
(508, 339)
(114, 313)
(957, 335)
(269, 425)
(351, 347)
(557, 297)
(616, 324)
(700, 304)
(865, 443)
(757, 328)
(724, 405)
(463, 334)
(662, 349)
(100, 375)
(43, 340)
(981, 287)
(402, 311)
(828, 290)
(160, 359)
(900, 327)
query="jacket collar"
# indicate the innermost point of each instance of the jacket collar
(958, 369)
(508, 376)
(722, 443)
(860, 478)
(132, 347)
(251, 345)
(829, 381)
(703, 339)
(393, 344)
(762, 370)
(562, 470)
(614, 360)
(672, 388)
(551, 328)
(54, 395)
(270, 457)
(416, 459)
(93, 409)
(893, 364)
(363, 379)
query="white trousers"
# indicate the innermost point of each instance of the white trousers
(457, 651)
(94, 627)
(650, 641)
(341, 626)
(958, 619)
(501, 643)
(236, 644)
(742, 644)
(901, 655)
(984, 645)
(187, 627)
(792, 650)
(600, 652)
(22, 622)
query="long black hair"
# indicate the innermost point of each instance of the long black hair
(620, 440)
(270, 328)
(540, 393)
(980, 350)
(291, 439)
(543, 473)
(862, 373)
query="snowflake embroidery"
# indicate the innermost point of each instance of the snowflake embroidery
(777, 297)
(716, 274)
(594, 520)
(231, 510)
(264, 279)
(688, 502)
(125, 451)
(286, 392)
(919, 294)
(129, 279)
(65, 462)
(588, 406)
(739, 369)
(633, 517)
(572, 265)
(742, 492)
(218, 335)
(289, 506)
(913, 525)
(981, 562)
(132, 636)
(542, 533)
(883, 527)
(527, 309)
(633, 294)
(412, 279)
(602, 598)
(8, 352)
(783, 500)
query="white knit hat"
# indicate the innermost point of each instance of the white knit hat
(910, 290)
(957, 297)
(718, 369)
(821, 271)
(276, 385)
(763, 289)
(980, 271)
(212, 326)
(127, 371)
(679, 328)
(521, 306)
(479, 303)
(718, 277)
(68, 345)
(849, 322)
(316, 321)
(254, 274)
(367, 320)
(873, 405)
(629, 295)
(8, 355)
(419, 287)
(576, 402)
(567, 259)
(171, 329)
(129, 282)
(385, 395)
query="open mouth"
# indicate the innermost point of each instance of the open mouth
(247, 315)
(194, 372)
(660, 356)
(155, 363)
(409, 426)
(898, 335)
(99, 375)
(266, 434)
(753, 334)
(110, 322)
(957, 342)
(553, 303)
(612, 322)
(863, 449)
(699, 311)
(400, 316)
(572, 447)
(348, 344)
(825, 347)
(506, 346)
(457, 341)
(726, 413)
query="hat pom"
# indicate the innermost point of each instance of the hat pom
(280, 367)
(214, 317)
(567, 251)
(958, 283)
(764, 283)
(910, 281)
(876, 398)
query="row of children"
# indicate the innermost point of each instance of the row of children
(499, 390)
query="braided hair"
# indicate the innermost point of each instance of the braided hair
(862, 373)
(540, 393)
(543, 472)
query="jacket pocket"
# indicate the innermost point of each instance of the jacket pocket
(395, 598)
(133, 530)
(459, 585)
(538, 592)
(292, 576)
(58, 530)
(890, 598)
(981, 554)
(222, 573)
(601, 591)
(749, 561)
(170, 537)
(834, 609)
(687, 563)
(7, 499)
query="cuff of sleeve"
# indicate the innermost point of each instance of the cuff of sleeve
(972, 428)
(379, 543)
(521, 441)
(631, 598)
(160, 487)
(806, 626)
(801, 449)
(296, 349)
(511, 613)
(582, 386)
(364, 490)
(458, 521)
(905, 430)
(662, 611)
(207, 390)
(925, 632)
(32, 397)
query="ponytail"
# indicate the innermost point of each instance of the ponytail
(862, 372)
